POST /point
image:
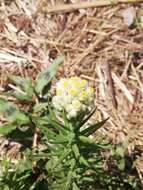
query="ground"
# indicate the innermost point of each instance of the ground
(102, 44)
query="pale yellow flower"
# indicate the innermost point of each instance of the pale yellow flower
(90, 90)
(83, 95)
(74, 95)
(73, 92)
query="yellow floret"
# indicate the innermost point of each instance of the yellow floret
(83, 83)
(83, 95)
(90, 90)
(73, 92)
(77, 84)
(65, 84)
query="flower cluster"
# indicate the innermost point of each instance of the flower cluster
(74, 95)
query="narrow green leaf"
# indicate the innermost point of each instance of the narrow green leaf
(90, 130)
(24, 86)
(48, 132)
(40, 107)
(61, 158)
(88, 179)
(75, 187)
(82, 160)
(85, 139)
(41, 121)
(87, 118)
(21, 96)
(69, 181)
(66, 122)
(6, 128)
(52, 112)
(18, 80)
(58, 126)
(59, 140)
(76, 150)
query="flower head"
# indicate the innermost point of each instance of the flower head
(74, 95)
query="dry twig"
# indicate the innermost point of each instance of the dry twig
(83, 5)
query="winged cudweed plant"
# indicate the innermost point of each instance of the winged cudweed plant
(75, 155)
(57, 151)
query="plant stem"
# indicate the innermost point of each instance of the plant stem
(35, 139)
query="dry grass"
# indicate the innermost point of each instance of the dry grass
(98, 46)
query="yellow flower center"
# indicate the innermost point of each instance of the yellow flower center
(73, 92)
(83, 95)
(90, 90)
(65, 83)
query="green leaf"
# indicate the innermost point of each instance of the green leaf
(41, 121)
(19, 117)
(21, 96)
(45, 77)
(40, 107)
(121, 164)
(48, 132)
(58, 126)
(120, 151)
(13, 113)
(53, 67)
(91, 129)
(51, 112)
(66, 121)
(49, 165)
(75, 187)
(24, 165)
(69, 181)
(82, 160)
(24, 87)
(76, 150)
(61, 158)
(85, 139)
(63, 138)
(7, 107)
(88, 179)
(6, 128)
(87, 118)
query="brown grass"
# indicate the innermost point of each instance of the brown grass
(98, 46)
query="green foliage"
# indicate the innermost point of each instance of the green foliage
(24, 90)
(45, 77)
(66, 158)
